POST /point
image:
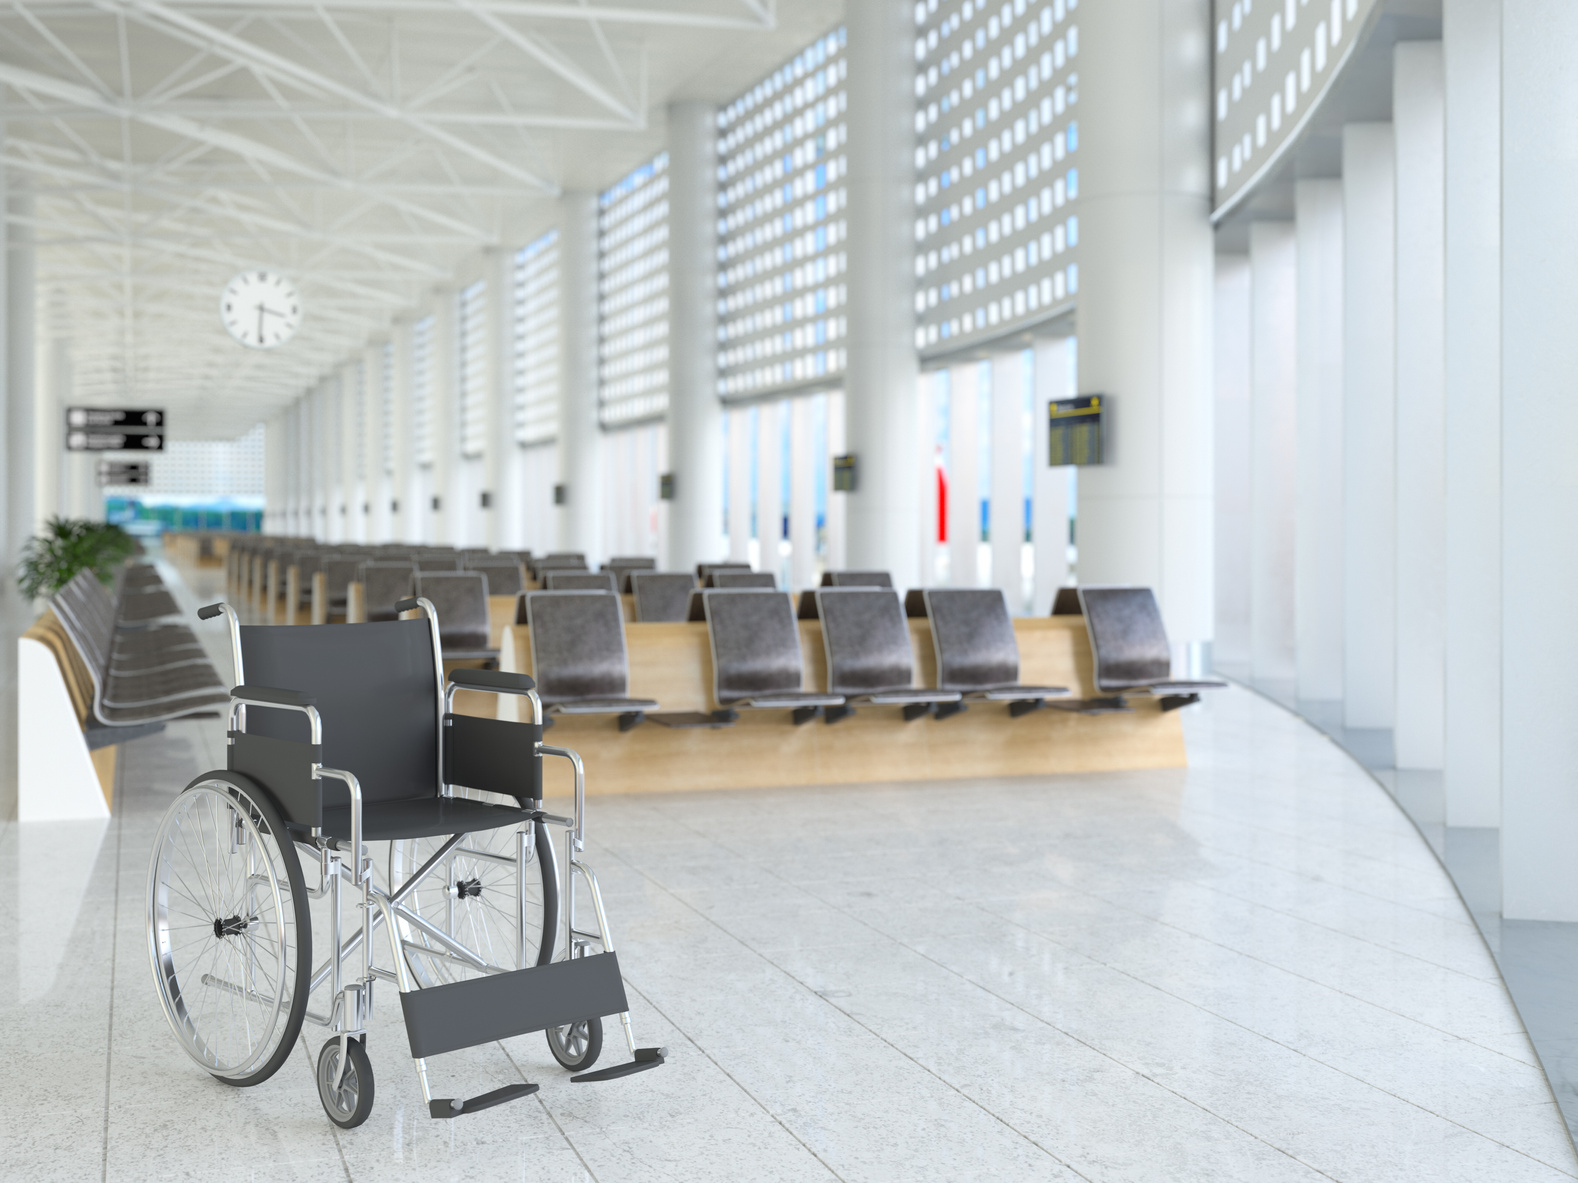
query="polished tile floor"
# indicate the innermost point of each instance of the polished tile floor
(1253, 970)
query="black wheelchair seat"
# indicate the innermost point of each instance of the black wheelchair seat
(422, 817)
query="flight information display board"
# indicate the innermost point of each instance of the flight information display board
(996, 161)
(1075, 430)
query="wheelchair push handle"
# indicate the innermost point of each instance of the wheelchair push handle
(409, 604)
(274, 696)
(209, 611)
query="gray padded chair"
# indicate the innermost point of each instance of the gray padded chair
(308, 564)
(542, 564)
(869, 658)
(621, 568)
(705, 569)
(503, 572)
(579, 658)
(661, 597)
(338, 572)
(384, 584)
(976, 651)
(461, 600)
(449, 562)
(1129, 645)
(856, 579)
(580, 581)
(756, 663)
(730, 580)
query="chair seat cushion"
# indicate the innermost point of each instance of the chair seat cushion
(601, 706)
(1017, 693)
(903, 697)
(424, 817)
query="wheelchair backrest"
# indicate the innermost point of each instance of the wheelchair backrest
(974, 638)
(376, 691)
(867, 640)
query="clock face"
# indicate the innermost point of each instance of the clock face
(260, 309)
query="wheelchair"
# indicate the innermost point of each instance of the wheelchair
(345, 735)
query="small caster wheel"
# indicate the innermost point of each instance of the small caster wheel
(578, 1045)
(350, 1103)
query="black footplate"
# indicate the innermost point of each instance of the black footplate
(646, 1057)
(447, 1107)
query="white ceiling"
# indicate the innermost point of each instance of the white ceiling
(366, 148)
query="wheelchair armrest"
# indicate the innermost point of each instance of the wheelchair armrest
(496, 680)
(274, 696)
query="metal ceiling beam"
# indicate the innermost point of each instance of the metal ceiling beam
(270, 112)
(759, 21)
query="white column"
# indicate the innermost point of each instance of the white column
(1049, 504)
(276, 472)
(881, 407)
(325, 474)
(500, 453)
(1233, 420)
(375, 498)
(695, 433)
(739, 485)
(837, 503)
(49, 445)
(404, 512)
(1539, 421)
(964, 496)
(580, 435)
(445, 522)
(1369, 426)
(1008, 477)
(803, 461)
(352, 390)
(769, 487)
(1418, 124)
(1318, 536)
(1145, 297)
(1274, 446)
(1471, 36)
(20, 397)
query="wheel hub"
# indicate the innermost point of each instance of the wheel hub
(468, 887)
(232, 926)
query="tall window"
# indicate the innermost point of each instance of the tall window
(422, 391)
(535, 334)
(633, 296)
(781, 226)
(359, 416)
(471, 365)
(996, 158)
(386, 372)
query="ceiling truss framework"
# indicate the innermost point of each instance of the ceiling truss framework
(367, 148)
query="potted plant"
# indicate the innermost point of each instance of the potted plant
(66, 546)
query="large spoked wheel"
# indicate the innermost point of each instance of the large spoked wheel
(229, 936)
(476, 899)
(347, 1097)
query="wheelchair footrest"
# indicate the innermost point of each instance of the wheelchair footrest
(464, 1014)
(646, 1057)
(447, 1107)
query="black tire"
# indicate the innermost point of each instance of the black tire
(349, 1105)
(578, 1045)
(252, 799)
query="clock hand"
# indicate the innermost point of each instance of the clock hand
(260, 323)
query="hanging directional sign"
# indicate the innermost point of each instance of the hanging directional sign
(114, 429)
(117, 473)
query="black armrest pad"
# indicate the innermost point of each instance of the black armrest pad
(407, 604)
(491, 680)
(272, 694)
(209, 611)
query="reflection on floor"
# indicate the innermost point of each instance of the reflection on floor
(1250, 970)
(1537, 958)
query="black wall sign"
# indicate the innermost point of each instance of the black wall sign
(1075, 432)
(125, 472)
(114, 429)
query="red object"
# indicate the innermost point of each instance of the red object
(942, 504)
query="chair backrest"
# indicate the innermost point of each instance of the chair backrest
(755, 644)
(580, 581)
(1066, 602)
(1127, 638)
(542, 564)
(738, 579)
(705, 569)
(974, 638)
(87, 613)
(339, 570)
(461, 600)
(660, 597)
(383, 586)
(867, 640)
(621, 569)
(504, 575)
(856, 579)
(438, 562)
(377, 694)
(577, 645)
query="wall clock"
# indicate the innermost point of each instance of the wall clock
(261, 309)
